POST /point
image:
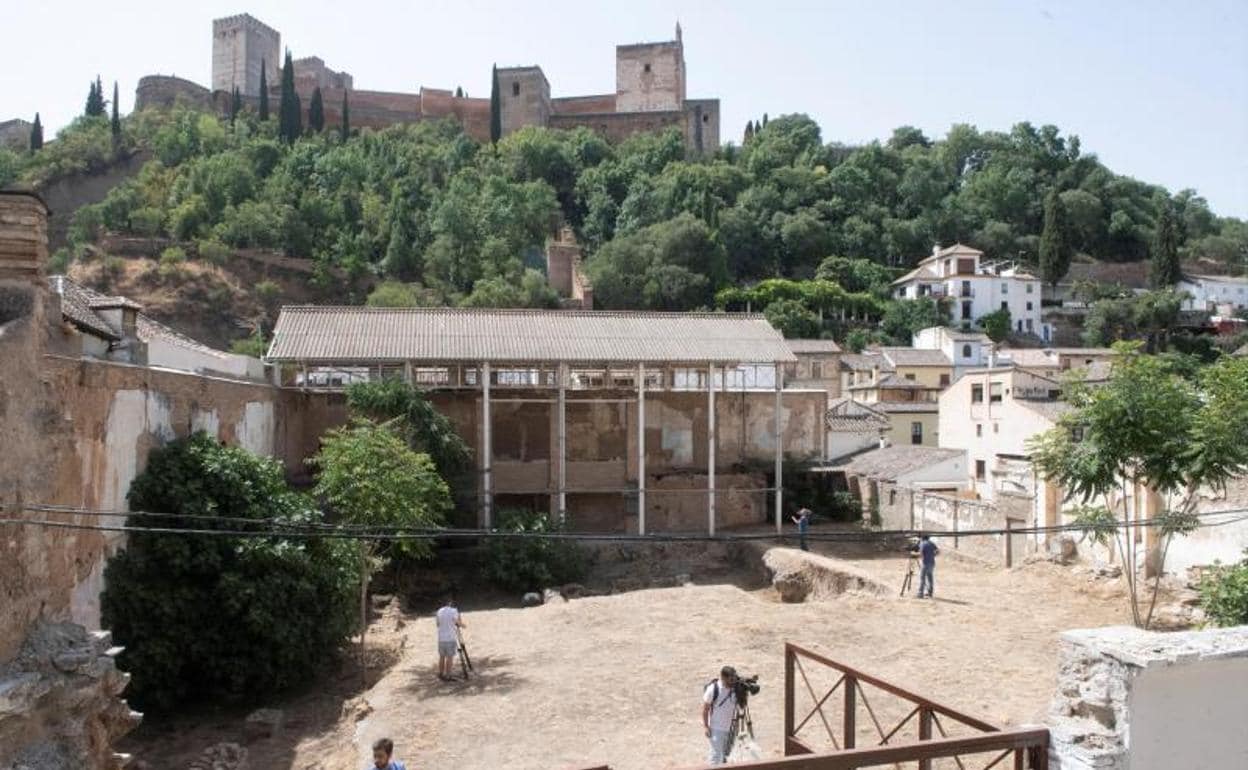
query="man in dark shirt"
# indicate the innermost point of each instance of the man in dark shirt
(927, 553)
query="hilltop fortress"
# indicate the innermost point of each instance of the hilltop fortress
(649, 91)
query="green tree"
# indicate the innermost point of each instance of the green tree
(36, 135)
(1147, 428)
(409, 411)
(290, 111)
(1055, 251)
(393, 294)
(496, 108)
(370, 477)
(1224, 593)
(281, 606)
(254, 345)
(904, 317)
(316, 112)
(236, 104)
(531, 563)
(115, 123)
(264, 91)
(792, 319)
(1164, 269)
(344, 128)
(996, 324)
(95, 99)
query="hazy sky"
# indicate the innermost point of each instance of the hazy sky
(1158, 89)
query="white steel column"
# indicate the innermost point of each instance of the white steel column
(562, 444)
(641, 449)
(487, 449)
(710, 448)
(779, 453)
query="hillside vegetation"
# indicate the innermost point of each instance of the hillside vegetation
(457, 222)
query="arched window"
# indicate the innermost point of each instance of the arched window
(966, 351)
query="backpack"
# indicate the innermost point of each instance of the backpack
(715, 693)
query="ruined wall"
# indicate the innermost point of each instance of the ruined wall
(1129, 699)
(90, 426)
(169, 91)
(951, 514)
(618, 126)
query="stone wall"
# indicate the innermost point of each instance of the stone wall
(241, 46)
(168, 91)
(1129, 699)
(650, 77)
(524, 98)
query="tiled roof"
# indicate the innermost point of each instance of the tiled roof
(813, 346)
(919, 273)
(863, 362)
(149, 330)
(899, 356)
(891, 462)
(848, 416)
(900, 407)
(76, 307)
(345, 334)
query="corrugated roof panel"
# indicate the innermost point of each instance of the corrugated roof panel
(345, 334)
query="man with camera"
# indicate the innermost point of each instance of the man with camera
(719, 709)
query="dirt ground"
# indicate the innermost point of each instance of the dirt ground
(617, 679)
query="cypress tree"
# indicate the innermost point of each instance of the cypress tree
(290, 114)
(1164, 268)
(344, 130)
(459, 92)
(116, 122)
(95, 99)
(316, 112)
(1055, 251)
(36, 135)
(236, 105)
(496, 109)
(749, 131)
(764, 120)
(264, 92)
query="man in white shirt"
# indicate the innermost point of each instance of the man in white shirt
(449, 622)
(719, 708)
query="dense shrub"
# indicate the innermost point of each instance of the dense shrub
(216, 616)
(531, 563)
(1224, 594)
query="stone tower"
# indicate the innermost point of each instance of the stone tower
(650, 77)
(524, 98)
(239, 45)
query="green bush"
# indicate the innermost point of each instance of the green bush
(254, 345)
(530, 563)
(224, 617)
(1224, 594)
(147, 221)
(60, 260)
(213, 251)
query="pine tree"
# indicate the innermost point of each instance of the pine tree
(290, 113)
(264, 92)
(344, 130)
(1164, 268)
(496, 109)
(116, 122)
(316, 112)
(236, 105)
(1055, 251)
(36, 135)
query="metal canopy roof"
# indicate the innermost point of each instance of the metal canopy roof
(450, 335)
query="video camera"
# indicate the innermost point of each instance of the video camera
(912, 546)
(744, 687)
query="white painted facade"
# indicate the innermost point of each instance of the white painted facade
(1209, 293)
(966, 350)
(976, 288)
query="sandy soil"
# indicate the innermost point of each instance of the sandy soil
(616, 679)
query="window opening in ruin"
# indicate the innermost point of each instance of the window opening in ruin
(707, 119)
(515, 89)
(647, 68)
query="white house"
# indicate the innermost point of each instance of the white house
(976, 288)
(966, 350)
(1208, 292)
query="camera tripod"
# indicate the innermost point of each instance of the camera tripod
(464, 661)
(740, 723)
(909, 581)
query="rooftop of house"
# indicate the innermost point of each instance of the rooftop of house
(800, 346)
(907, 407)
(1194, 277)
(845, 415)
(899, 356)
(890, 463)
(864, 362)
(362, 334)
(1040, 357)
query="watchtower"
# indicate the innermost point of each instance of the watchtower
(650, 77)
(524, 98)
(241, 45)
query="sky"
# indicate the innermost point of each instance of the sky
(1158, 90)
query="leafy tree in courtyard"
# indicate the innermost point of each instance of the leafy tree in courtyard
(905, 317)
(290, 111)
(1164, 270)
(36, 134)
(1128, 316)
(264, 91)
(1147, 428)
(409, 411)
(792, 319)
(531, 563)
(1055, 250)
(115, 123)
(370, 477)
(496, 108)
(217, 616)
(996, 324)
(344, 128)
